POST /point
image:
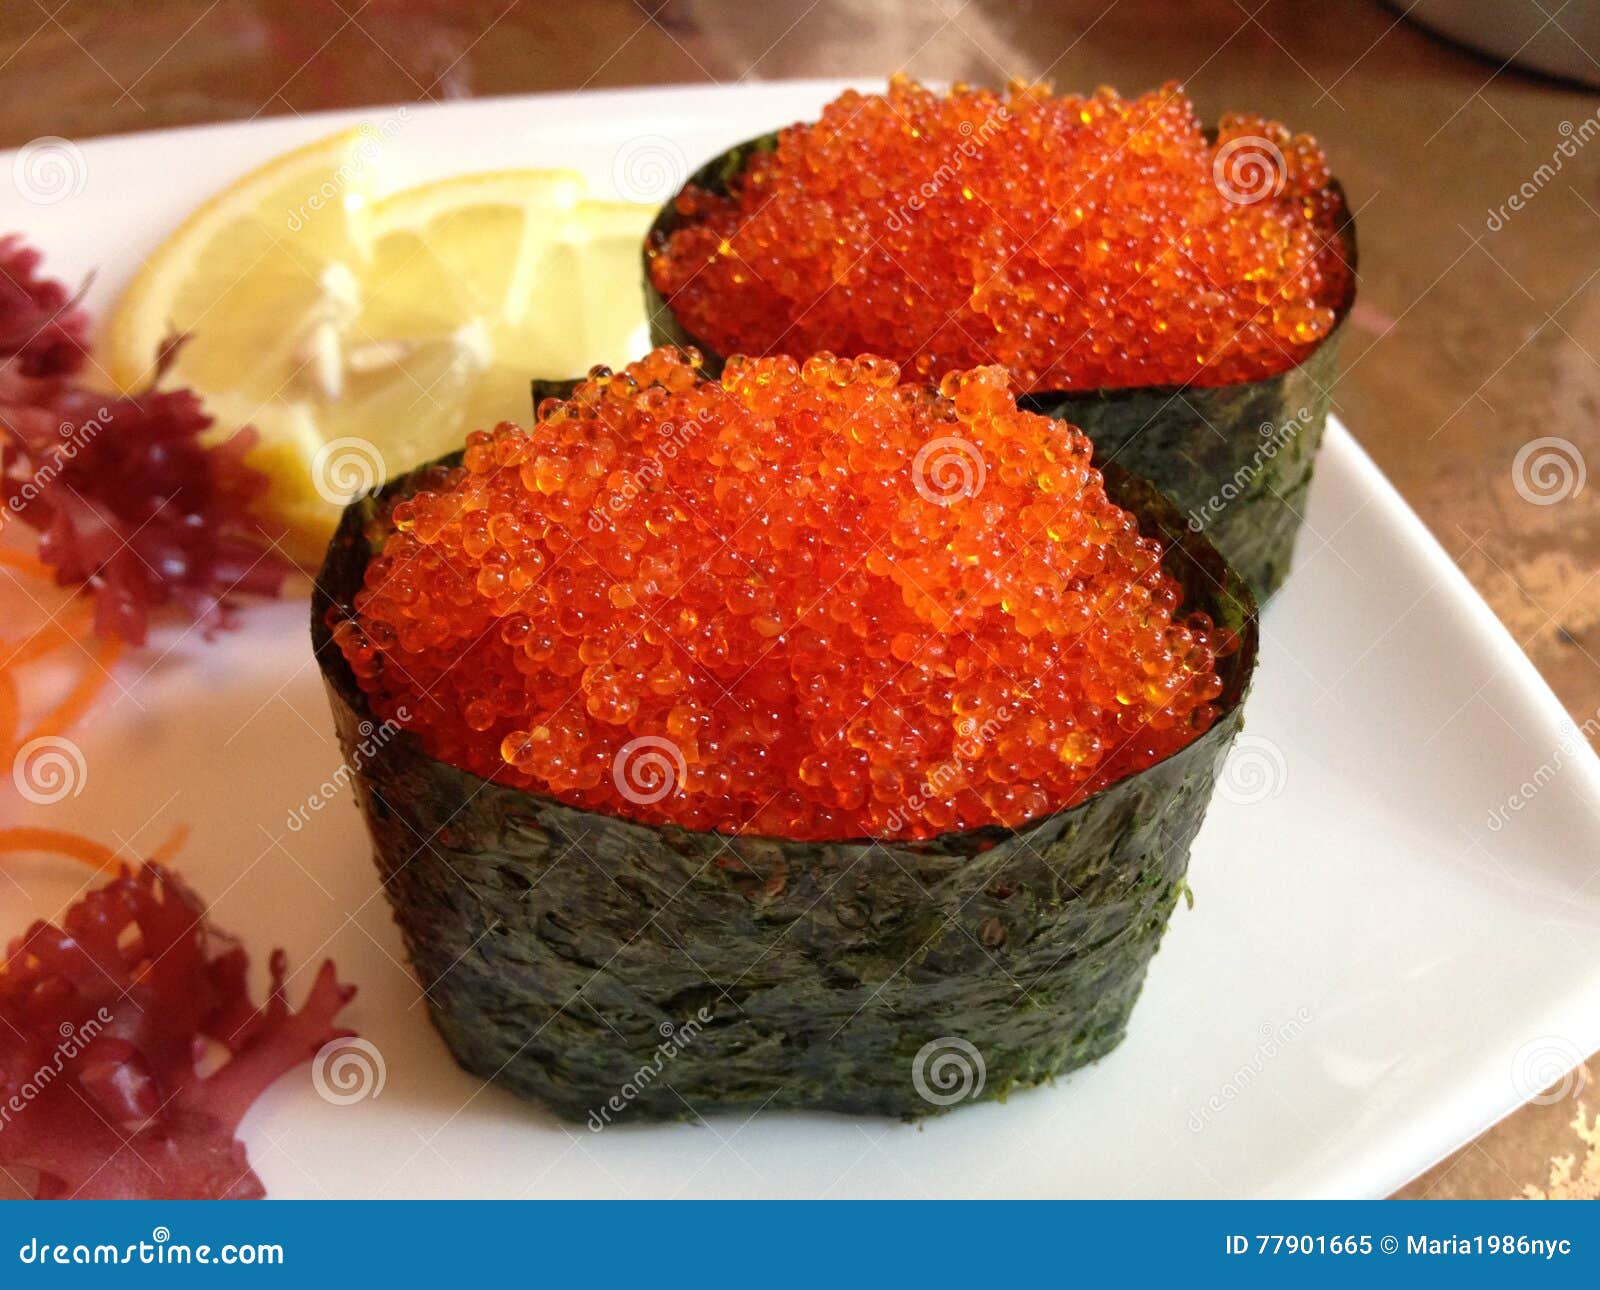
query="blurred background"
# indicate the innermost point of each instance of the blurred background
(1467, 134)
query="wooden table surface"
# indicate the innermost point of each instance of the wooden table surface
(1478, 328)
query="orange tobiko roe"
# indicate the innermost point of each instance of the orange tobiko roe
(805, 601)
(1083, 243)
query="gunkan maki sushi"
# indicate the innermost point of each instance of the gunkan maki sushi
(802, 716)
(1176, 293)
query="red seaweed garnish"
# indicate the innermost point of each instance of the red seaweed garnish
(130, 495)
(41, 327)
(106, 1025)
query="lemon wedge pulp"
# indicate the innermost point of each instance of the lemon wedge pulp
(363, 335)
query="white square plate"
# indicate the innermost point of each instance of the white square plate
(1367, 979)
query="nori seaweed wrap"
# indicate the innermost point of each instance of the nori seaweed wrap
(613, 970)
(1237, 458)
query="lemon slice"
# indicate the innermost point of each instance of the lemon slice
(362, 337)
(255, 255)
(477, 285)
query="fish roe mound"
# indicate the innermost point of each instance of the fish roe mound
(806, 601)
(1082, 243)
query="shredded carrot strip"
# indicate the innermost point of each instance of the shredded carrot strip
(173, 844)
(27, 563)
(10, 713)
(77, 847)
(83, 692)
(51, 636)
(73, 845)
(103, 656)
(72, 627)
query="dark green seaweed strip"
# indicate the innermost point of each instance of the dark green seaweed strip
(715, 176)
(540, 389)
(617, 971)
(1237, 458)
